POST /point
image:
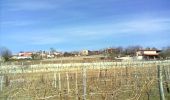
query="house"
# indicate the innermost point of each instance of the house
(109, 50)
(95, 52)
(147, 54)
(85, 52)
(75, 53)
(50, 56)
(25, 55)
(57, 54)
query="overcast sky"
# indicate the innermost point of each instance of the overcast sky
(69, 25)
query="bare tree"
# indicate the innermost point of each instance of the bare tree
(5, 53)
(52, 50)
(130, 50)
(165, 52)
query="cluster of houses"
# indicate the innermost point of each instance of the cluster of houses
(49, 54)
(142, 54)
(139, 54)
(37, 55)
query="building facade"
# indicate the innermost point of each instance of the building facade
(147, 54)
(25, 55)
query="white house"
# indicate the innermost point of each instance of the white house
(85, 52)
(25, 55)
(147, 54)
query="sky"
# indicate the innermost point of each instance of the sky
(69, 25)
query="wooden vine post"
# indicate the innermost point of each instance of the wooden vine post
(77, 98)
(1, 82)
(68, 84)
(160, 83)
(59, 84)
(166, 79)
(55, 79)
(84, 82)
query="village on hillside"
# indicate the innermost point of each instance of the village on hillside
(117, 54)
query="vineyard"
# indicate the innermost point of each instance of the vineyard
(101, 81)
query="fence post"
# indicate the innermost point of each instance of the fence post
(55, 84)
(68, 84)
(166, 81)
(59, 82)
(59, 85)
(84, 83)
(76, 87)
(1, 77)
(160, 83)
(127, 76)
(6, 81)
(168, 73)
(121, 75)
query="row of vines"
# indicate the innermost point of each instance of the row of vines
(132, 82)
